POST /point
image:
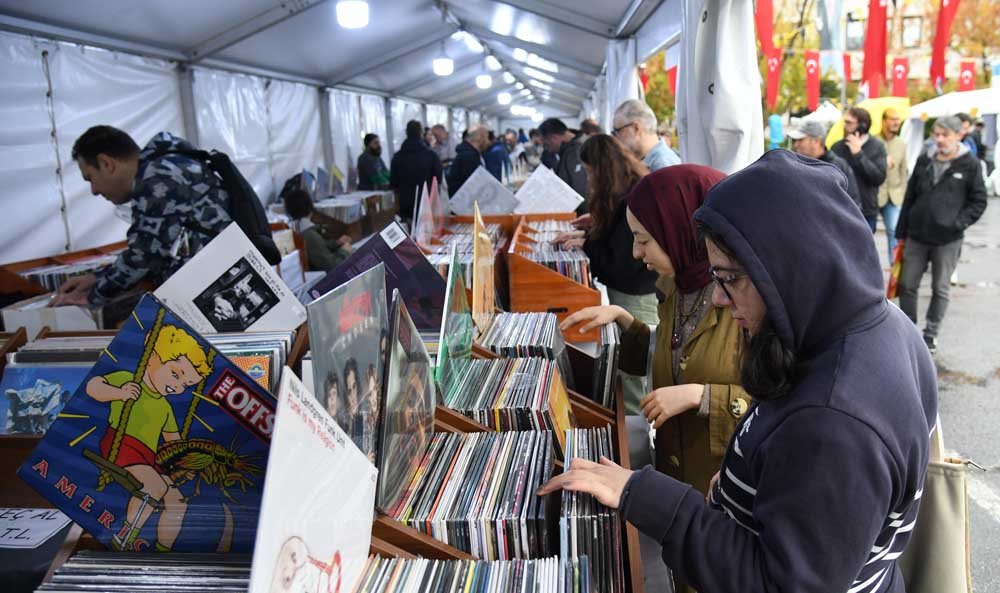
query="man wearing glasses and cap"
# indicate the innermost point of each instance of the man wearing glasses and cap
(808, 140)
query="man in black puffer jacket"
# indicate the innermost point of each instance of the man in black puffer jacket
(867, 156)
(945, 195)
(413, 165)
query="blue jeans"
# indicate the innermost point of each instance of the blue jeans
(872, 222)
(890, 216)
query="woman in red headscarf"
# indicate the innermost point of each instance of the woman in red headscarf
(696, 400)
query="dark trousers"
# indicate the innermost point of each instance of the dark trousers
(942, 259)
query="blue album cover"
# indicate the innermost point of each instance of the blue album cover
(174, 461)
(32, 395)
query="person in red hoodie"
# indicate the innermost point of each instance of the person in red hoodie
(820, 485)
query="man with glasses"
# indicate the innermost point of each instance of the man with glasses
(635, 127)
(890, 193)
(866, 155)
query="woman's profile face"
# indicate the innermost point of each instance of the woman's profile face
(646, 249)
(740, 295)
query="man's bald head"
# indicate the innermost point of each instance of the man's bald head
(479, 137)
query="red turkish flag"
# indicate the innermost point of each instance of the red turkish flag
(773, 76)
(847, 67)
(967, 77)
(945, 16)
(765, 25)
(900, 75)
(873, 71)
(672, 79)
(812, 79)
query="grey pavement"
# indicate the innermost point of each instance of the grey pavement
(968, 362)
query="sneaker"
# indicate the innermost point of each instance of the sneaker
(931, 344)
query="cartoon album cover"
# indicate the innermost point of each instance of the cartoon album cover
(163, 446)
(31, 395)
(348, 338)
(408, 406)
(314, 533)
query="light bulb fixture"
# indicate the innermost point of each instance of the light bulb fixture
(520, 54)
(537, 117)
(493, 63)
(470, 41)
(525, 92)
(484, 81)
(352, 14)
(539, 75)
(443, 65)
(519, 86)
(503, 98)
(508, 78)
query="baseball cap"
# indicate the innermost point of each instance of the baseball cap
(812, 129)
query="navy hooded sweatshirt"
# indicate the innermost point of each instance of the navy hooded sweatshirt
(819, 490)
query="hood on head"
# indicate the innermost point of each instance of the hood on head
(804, 243)
(165, 141)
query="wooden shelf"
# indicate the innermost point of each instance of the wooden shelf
(414, 542)
(10, 343)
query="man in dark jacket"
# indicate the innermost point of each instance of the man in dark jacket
(372, 173)
(866, 155)
(566, 143)
(468, 157)
(808, 140)
(496, 157)
(822, 480)
(413, 165)
(945, 195)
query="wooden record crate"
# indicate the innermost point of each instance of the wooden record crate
(376, 218)
(536, 288)
(10, 342)
(65, 258)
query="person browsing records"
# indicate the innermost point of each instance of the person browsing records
(822, 482)
(566, 144)
(635, 126)
(177, 205)
(413, 165)
(696, 399)
(325, 248)
(468, 157)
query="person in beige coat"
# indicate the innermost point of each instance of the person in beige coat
(890, 194)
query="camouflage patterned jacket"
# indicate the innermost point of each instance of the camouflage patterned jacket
(178, 206)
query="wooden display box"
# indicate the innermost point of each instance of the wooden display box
(376, 218)
(533, 287)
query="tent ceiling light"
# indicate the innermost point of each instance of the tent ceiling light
(519, 86)
(540, 85)
(484, 81)
(352, 14)
(469, 40)
(493, 63)
(540, 62)
(520, 55)
(508, 78)
(503, 98)
(537, 117)
(539, 75)
(525, 92)
(442, 64)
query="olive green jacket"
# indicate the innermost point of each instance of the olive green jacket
(688, 447)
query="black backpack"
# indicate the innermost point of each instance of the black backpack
(244, 206)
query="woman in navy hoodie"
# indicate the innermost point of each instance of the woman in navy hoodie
(821, 482)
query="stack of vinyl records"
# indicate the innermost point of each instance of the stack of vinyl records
(606, 365)
(548, 575)
(114, 571)
(441, 260)
(574, 264)
(260, 354)
(551, 226)
(348, 208)
(521, 335)
(476, 492)
(505, 394)
(52, 276)
(587, 527)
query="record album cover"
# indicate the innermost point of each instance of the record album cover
(171, 461)
(457, 329)
(348, 338)
(406, 269)
(407, 410)
(315, 526)
(483, 283)
(32, 395)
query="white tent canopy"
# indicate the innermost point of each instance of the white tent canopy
(983, 103)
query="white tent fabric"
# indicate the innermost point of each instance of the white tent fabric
(345, 128)
(402, 112)
(28, 166)
(475, 117)
(719, 118)
(622, 79)
(373, 122)
(232, 118)
(982, 102)
(293, 129)
(459, 123)
(437, 114)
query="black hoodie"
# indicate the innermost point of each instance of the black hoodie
(818, 489)
(413, 165)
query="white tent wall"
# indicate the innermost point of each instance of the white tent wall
(622, 80)
(294, 129)
(475, 117)
(345, 128)
(402, 112)
(28, 168)
(459, 123)
(373, 121)
(437, 114)
(232, 118)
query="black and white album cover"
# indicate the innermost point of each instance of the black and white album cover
(236, 299)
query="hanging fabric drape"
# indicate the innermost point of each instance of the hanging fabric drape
(621, 77)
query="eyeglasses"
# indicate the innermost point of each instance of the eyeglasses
(722, 282)
(615, 131)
